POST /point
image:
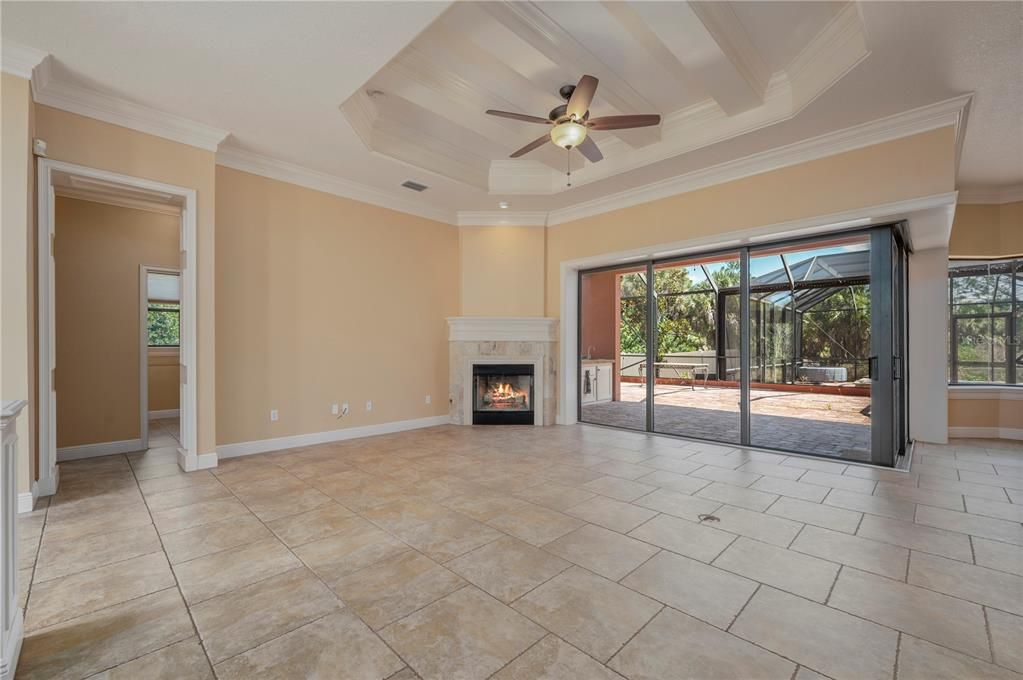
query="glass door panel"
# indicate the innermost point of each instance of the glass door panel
(810, 334)
(797, 346)
(695, 370)
(613, 347)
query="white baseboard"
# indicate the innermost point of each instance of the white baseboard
(12, 649)
(102, 449)
(265, 445)
(48, 485)
(26, 502)
(166, 413)
(190, 462)
(986, 432)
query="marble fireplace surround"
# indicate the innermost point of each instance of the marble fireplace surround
(502, 340)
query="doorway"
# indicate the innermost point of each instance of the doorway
(796, 345)
(160, 354)
(66, 180)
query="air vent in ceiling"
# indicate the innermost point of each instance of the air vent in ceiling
(414, 186)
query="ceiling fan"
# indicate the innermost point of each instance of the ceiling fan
(572, 121)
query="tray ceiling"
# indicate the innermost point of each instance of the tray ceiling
(284, 90)
(713, 70)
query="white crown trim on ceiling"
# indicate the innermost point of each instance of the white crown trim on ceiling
(19, 60)
(951, 112)
(501, 218)
(247, 161)
(28, 62)
(50, 91)
(998, 196)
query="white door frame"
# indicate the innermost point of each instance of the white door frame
(47, 348)
(144, 271)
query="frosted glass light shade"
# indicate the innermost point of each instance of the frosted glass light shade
(568, 134)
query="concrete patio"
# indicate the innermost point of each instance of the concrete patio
(825, 424)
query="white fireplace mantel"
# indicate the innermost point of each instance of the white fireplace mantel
(502, 328)
(502, 339)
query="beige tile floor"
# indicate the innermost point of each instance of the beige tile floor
(566, 552)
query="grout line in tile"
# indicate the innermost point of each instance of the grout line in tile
(177, 584)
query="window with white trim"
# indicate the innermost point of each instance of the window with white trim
(985, 321)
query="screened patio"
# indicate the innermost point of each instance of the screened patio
(809, 350)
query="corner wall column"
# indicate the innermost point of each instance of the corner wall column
(11, 616)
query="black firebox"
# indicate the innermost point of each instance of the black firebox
(502, 394)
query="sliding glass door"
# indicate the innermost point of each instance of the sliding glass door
(697, 345)
(797, 346)
(810, 335)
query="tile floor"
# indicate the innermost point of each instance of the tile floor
(565, 552)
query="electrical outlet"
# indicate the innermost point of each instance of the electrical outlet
(344, 409)
(273, 415)
(335, 409)
(369, 406)
(429, 399)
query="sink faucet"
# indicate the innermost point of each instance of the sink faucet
(589, 351)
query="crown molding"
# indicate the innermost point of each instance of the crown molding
(951, 112)
(20, 60)
(991, 195)
(74, 98)
(501, 218)
(247, 161)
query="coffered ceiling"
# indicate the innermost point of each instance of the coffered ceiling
(712, 70)
(357, 97)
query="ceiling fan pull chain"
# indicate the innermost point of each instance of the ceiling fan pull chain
(568, 165)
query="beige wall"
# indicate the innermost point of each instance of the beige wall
(1004, 413)
(164, 388)
(98, 251)
(981, 230)
(16, 195)
(323, 300)
(95, 144)
(920, 165)
(502, 271)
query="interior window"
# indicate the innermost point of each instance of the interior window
(164, 310)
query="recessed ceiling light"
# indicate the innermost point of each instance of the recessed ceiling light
(503, 205)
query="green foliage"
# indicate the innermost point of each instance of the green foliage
(164, 322)
(836, 330)
(686, 322)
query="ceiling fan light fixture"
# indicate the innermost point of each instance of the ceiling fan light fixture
(568, 134)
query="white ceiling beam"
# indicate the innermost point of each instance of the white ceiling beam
(711, 43)
(460, 68)
(542, 33)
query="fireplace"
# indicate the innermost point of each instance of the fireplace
(502, 394)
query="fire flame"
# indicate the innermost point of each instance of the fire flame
(503, 395)
(504, 391)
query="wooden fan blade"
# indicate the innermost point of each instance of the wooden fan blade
(589, 149)
(623, 122)
(579, 103)
(518, 116)
(535, 144)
